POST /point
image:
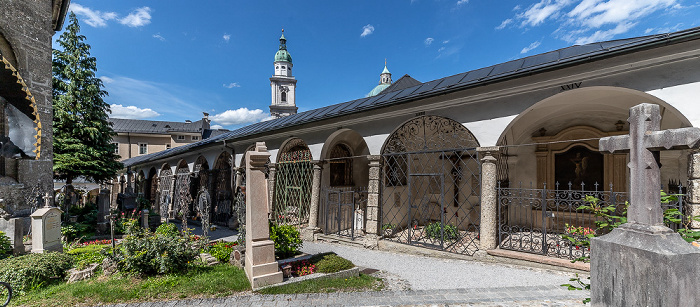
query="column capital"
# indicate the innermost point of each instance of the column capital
(489, 154)
(374, 158)
(318, 163)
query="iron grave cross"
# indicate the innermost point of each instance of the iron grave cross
(643, 140)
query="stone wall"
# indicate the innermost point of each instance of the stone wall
(26, 25)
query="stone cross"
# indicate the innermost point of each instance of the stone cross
(47, 200)
(643, 140)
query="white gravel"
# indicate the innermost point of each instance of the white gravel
(426, 273)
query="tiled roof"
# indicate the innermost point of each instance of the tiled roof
(537, 63)
(154, 127)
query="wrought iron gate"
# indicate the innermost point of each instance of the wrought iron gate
(222, 196)
(293, 188)
(344, 211)
(164, 186)
(183, 198)
(534, 220)
(431, 186)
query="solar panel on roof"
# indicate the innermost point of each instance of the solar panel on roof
(428, 86)
(349, 106)
(622, 42)
(577, 51)
(452, 80)
(386, 98)
(309, 115)
(369, 102)
(506, 67)
(475, 75)
(323, 112)
(407, 92)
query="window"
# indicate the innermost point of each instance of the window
(143, 148)
(284, 96)
(167, 146)
(341, 166)
(180, 137)
(116, 148)
(282, 67)
(195, 137)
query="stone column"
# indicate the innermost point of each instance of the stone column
(489, 209)
(144, 219)
(308, 233)
(372, 224)
(693, 206)
(239, 178)
(272, 170)
(260, 265)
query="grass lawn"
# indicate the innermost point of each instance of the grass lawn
(216, 281)
(327, 285)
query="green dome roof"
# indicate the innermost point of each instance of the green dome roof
(283, 55)
(378, 89)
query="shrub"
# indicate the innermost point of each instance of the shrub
(167, 229)
(83, 256)
(287, 240)
(5, 246)
(152, 254)
(333, 263)
(433, 231)
(33, 271)
(221, 250)
(74, 231)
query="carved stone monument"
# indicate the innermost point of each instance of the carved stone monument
(643, 262)
(260, 264)
(46, 228)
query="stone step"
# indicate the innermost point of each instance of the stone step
(358, 242)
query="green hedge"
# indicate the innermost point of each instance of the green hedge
(33, 271)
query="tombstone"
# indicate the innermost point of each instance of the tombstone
(13, 229)
(643, 262)
(46, 228)
(126, 201)
(103, 206)
(260, 265)
(144, 219)
(70, 197)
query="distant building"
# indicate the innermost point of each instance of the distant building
(137, 137)
(283, 83)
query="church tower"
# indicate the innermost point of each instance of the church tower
(384, 82)
(283, 84)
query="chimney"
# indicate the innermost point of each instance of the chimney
(205, 121)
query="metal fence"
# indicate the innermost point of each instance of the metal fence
(343, 211)
(535, 220)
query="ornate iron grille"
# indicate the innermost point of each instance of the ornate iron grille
(240, 207)
(431, 185)
(202, 208)
(183, 197)
(344, 211)
(533, 220)
(293, 187)
(152, 197)
(222, 200)
(166, 180)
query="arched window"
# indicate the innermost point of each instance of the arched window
(341, 166)
(284, 97)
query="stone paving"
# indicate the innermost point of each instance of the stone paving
(504, 296)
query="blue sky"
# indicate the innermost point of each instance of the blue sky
(172, 60)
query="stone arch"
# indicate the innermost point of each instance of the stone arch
(355, 154)
(430, 185)
(291, 148)
(7, 51)
(590, 112)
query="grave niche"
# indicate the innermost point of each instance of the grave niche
(557, 160)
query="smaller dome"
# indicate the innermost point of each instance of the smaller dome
(283, 55)
(378, 89)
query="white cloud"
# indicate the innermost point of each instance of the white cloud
(367, 30)
(239, 117)
(91, 17)
(106, 79)
(158, 36)
(428, 41)
(446, 41)
(504, 24)
(232, 85)
(584, 21)
(217, 127)
(460, 2)
(137, 18)
(131, 112)
(441, 49)
(532, 46)
(227, 37)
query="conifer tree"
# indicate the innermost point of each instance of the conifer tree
(82, 134)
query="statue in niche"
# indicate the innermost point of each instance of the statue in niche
(580, 166)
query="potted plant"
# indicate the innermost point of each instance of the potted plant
(388, 230)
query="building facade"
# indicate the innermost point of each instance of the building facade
(495, 157)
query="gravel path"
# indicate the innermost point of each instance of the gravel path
(425, 273)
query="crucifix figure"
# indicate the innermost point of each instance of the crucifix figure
(643, 143)
(456, 158)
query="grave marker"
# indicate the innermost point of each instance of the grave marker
(46, 228)
(643, 262)
(260, 265)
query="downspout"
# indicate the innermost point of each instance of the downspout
(128, 140)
